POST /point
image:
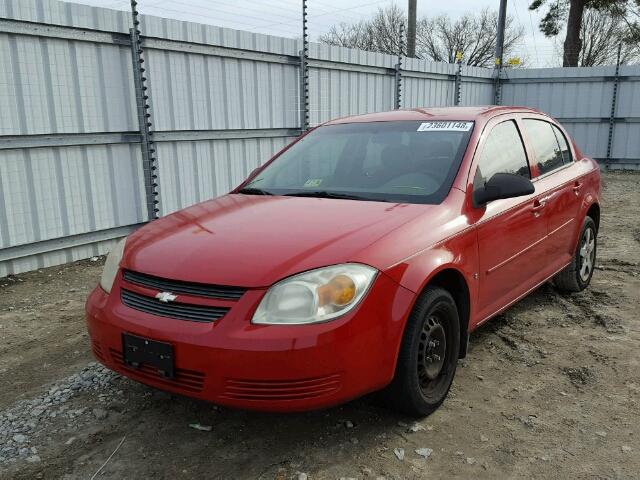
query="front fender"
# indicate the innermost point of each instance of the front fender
(459, 253)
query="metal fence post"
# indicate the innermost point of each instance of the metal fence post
(149, 166)
(397, 101)
(458, 80)
(612, 115)
(497, 85)
(304, 72)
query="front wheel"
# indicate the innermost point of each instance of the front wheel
(577, 275)
(428, 355)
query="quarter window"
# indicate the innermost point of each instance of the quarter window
(545, 145)
(503, 152)
(564, 145)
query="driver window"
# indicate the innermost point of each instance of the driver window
(319, 164)
(503, 152)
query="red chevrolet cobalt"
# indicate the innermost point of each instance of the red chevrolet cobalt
(358, 259)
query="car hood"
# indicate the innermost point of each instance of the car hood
(254, 241)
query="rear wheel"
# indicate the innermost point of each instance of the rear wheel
(577, 275)
(428, 355)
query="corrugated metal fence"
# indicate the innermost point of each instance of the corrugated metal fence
(222, 102)
(582, 99)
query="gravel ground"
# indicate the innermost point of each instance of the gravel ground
(550, 389)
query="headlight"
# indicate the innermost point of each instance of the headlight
(315, 296)
(111, 266)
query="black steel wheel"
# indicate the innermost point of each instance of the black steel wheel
(428, 355)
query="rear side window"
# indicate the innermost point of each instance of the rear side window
(503, 152)
(546, 149)
(564, 145)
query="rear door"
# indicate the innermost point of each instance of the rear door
(511, 232)
(555, 178)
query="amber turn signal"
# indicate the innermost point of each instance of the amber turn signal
(340, 291)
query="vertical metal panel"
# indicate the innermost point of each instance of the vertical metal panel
(591, 138)
(194, 171)
(438, 91)
(562, 99)
(476, 93)
(626, 143)
(584, 94)
(54, 192)
(212, 35)
(629, 91)
(423, 92)
(204, 92)
(65, 13)
(56, 257)
(350, 56)
(336, 93)
(61, 86)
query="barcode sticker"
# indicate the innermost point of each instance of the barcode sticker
(445, 127)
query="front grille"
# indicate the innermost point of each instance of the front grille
(281, 389)
(185, 288)
(186, 379)
(177, 310)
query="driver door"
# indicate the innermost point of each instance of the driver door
(511, 232)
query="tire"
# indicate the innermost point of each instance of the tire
(577, 275)
(432, 332)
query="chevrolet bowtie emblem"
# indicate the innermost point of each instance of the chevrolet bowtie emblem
(166, 297)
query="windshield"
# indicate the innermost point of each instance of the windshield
(405, 162)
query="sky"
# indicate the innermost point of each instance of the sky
(282, 17)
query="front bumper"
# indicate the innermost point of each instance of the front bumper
(262, 367)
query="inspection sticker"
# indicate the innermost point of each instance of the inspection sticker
(313, 182)
(445, 126)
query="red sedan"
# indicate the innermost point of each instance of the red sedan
(358, 259)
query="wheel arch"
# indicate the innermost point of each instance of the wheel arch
(594, 213)
(453, 281)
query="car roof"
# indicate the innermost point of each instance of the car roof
(436, 113)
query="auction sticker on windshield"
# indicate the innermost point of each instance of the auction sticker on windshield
(445, 126)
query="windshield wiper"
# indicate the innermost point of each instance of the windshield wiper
(325, 194)
(253, 191)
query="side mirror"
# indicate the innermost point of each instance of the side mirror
(253, 172)
(503, 185)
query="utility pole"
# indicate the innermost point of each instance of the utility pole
(502, 18)
(411, 29)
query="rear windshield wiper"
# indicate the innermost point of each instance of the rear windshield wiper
(253, 191)
(325, 194)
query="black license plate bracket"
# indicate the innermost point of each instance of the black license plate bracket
(137, 351)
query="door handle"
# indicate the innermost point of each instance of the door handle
(538, 205)
(576, 187)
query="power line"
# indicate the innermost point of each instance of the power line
(217, 20)
(533, 33)
(331, 13)
(218, 11)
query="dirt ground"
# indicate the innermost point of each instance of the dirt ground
(550, 389)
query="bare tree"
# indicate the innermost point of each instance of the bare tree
(601, 34)
(378, 34)
(474, 35)
(437, 38)
(573, 12)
